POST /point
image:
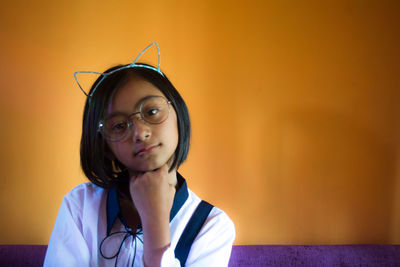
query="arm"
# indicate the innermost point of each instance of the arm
(152, 194)
(67, 246)
(213, 244)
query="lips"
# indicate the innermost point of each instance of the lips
(146, 150)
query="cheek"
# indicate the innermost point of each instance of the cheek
(174, 133)
(118, 150)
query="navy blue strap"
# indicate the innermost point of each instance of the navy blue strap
(191, 230)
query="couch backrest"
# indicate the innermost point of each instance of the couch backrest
(22, 255)
(252, 255)
(300, 255)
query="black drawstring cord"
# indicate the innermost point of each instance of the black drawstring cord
(127, 233)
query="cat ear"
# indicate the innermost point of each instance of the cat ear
(133, 64)
(86, 81)
(99, 76)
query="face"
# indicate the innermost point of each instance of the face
(149, 146)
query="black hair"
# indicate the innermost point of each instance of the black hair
(96, 161)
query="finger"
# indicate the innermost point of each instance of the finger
(164, 168)
(162, 171)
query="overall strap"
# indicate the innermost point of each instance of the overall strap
(191, 230)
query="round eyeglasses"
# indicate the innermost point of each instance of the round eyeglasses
(153, 109)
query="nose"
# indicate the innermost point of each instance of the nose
(140, 130)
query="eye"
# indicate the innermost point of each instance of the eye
(115, 125)
(152, 111)
(118, 127)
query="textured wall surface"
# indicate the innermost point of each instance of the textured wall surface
(294, 106)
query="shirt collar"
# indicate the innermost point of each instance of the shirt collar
(114, 211)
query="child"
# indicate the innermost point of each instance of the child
(137, 210)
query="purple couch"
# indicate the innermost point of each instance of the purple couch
(253, 255)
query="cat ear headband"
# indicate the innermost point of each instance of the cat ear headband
(132, 65)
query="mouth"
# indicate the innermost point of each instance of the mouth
(146, 150)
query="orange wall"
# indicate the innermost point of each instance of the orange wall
(294, 109)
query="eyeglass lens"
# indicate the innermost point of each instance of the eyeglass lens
(153, 110)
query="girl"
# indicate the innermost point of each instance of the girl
(137, 210)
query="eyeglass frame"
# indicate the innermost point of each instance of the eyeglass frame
(130, 122)
(132, 65)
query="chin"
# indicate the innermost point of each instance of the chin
(151, 164)
(147, 167)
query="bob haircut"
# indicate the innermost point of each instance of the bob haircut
(97, 161)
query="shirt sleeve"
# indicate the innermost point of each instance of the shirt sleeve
(212, 246)
(67, 247)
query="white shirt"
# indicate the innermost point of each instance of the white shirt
(89, 212)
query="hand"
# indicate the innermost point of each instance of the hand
(153, 193)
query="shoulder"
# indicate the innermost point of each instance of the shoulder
(87, 189)
(213, 244)
(218, 216)
(220, 223)
(217, 221)
(82, 205)
(84, 194)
